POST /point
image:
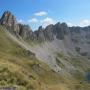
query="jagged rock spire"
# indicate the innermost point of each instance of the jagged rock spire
(9, 21)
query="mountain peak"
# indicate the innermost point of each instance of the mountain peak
(9, 21)
(7, 15)
(7, 12)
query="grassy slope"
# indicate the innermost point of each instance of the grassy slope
(77, 75)
(25, 72)
(20, 69)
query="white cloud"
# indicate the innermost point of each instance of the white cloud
(42, 13)
(20, 21)
(47, 21)
(33, 20)
(84, 22)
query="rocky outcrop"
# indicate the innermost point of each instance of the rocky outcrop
(24, 31)
(40, 34)
(48, 32)
(58, 30)
(61, 30)
(45, 34)
(9, 21)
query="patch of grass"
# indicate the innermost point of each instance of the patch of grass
(59, 63)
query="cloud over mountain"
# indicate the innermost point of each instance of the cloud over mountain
(47, 21)
(33, 20)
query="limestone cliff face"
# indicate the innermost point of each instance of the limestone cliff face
(61, 30)
(9, 21)
(45, 34)
(39, 34)
(48, 32)
(80, 37)
(24, 31)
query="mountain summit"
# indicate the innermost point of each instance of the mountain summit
(9, 21)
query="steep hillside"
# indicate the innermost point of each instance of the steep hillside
(54, 58)
(47, 42)
(20, 68)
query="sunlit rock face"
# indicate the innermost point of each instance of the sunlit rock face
(9, 21)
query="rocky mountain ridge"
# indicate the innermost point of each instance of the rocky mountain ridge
(78, 36)
(9, 21)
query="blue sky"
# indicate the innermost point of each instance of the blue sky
(44, 12)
